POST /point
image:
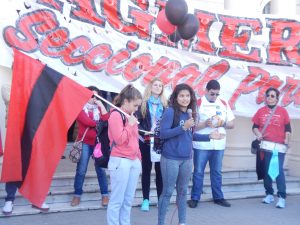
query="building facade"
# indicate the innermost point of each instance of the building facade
(237, 154)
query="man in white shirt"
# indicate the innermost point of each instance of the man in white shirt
(214, 113)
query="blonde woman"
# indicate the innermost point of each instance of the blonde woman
(153, 105)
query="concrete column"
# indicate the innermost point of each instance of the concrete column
(288, 8)
(293, 155)
(243, 6)
(283, 7)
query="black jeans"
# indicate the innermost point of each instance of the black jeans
(146, 172)
(280, 180)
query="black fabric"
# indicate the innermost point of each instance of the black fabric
(146, 172)
(41, 98)
(255, 145)
(158, 142)
(288, 128)
(144, 123)
(102, 136)
(101, 125)
(271, 106)
(260, 165)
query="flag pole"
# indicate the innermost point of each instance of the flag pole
(114, 106)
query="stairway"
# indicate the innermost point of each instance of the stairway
(236, 184)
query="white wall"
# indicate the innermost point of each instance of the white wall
(5, 79)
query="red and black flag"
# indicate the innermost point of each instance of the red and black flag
(43, 105)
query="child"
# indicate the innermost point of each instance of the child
(124, 164)
(176, 159)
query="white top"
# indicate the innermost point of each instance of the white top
(208, 110)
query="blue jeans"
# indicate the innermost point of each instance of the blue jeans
(174, 172)
(215, 158)
(11, 189)
(280, 180)
(82, 165)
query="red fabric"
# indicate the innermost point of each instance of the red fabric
(85, 121)
(275, 130)
(50, 138)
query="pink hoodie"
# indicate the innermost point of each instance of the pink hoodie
(124, 138)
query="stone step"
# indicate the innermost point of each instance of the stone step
(95, 204)
(91, 190)
(67, 178)
(236, 184)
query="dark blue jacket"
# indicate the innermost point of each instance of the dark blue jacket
(178, 142)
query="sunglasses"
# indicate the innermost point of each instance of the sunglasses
(214, 94)
(272, 96)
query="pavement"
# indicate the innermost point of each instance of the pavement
(242, 212)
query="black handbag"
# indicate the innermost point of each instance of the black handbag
(255, 145)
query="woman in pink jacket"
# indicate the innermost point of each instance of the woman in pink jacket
(124, 164)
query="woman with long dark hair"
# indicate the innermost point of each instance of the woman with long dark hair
(176, 161)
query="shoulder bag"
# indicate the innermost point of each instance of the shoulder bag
(255, 145)
(76, 150)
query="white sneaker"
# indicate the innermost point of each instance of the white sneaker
(43, 208)
(8, 208)
(281, 203)
(268, 199)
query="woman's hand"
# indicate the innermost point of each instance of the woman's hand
(208, 123)
(99, 103)
(259, 136)
(188, 124)
(101, 106)
(132, 120)
(216, 135)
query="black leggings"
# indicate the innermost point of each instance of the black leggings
(146, 172)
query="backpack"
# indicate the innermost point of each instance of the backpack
(158, 142)
(102, 137)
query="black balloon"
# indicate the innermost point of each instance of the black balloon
(190, 27)
(175, 37)
(176, 11)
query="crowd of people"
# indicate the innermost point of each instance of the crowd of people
(193, 134)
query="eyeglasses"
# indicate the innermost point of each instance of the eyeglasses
(272, 96)
(214, 94)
